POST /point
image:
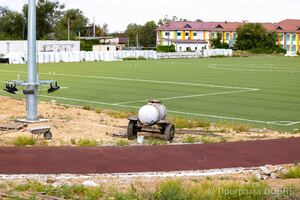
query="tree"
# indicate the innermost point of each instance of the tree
(254, 37)
(100, 31)
(48, 13)
(251, 36)
(3, 11)
(12, 25)
(131, 32)
(77, 24)
(216, 42)
(148, 34)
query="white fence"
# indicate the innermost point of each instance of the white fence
(92, 56)
(197, 54)
(20, 46)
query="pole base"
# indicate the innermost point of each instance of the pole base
(32, 121)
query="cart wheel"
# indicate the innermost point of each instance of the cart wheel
(162, 129)
(169, 132)
(48, 135)
(132, 130)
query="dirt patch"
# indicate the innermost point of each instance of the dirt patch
(70, 124)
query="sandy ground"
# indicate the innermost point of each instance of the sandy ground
(73, 123)
(67, 123)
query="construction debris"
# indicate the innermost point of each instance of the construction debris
(15, 126)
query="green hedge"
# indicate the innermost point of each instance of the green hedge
(276, 49)
(170, 48)
(87, 45)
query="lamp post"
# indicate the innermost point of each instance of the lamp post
(32, 75)
(31, 97)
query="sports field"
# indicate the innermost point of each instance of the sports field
(260, 91)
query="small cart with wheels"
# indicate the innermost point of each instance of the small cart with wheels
(42, 130)
(150, 116)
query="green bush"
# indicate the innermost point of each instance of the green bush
(209, 140)
(240, 128)
(87, 143)
(64, 191)
(122, 143)
(87, 45)
(170, 48)
(22, 141)
(134, 58)
(171, 190)
(276, 49)
(191, 139)
(185, 123)
(293, 172)
(87, 108)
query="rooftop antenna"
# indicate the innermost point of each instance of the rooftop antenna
(33, 80)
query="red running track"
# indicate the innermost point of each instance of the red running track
(148, 158)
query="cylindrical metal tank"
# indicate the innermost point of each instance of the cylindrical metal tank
(152, 113)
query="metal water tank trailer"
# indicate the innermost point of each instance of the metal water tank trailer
(152, 114)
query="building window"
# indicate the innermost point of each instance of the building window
(281, 37)
(195, 34)
(227, 36)
(187, 34)
(294, 37)
(287, 37)
(107, 48)
(196, 48)
(179, 34)
(167, 33)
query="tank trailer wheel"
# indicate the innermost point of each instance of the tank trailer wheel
(162, 128)
(169, 132)
(132, 130)
(48, 135)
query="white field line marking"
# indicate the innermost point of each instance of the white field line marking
(170, 111)
(190, 96)
(231, 118)
(254, 70)
(86, 101)
(292, 123)
(139, 80)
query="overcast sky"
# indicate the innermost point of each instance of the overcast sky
(119, 13)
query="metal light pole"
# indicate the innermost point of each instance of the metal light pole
(33, 80)
(31, 99)
(68, 28)
(94, 28)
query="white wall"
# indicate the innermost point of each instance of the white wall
(42, 46)
(91, 56)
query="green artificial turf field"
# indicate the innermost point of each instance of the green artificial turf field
(260, 91)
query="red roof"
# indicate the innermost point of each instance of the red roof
(289, 25)
(187, 26)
